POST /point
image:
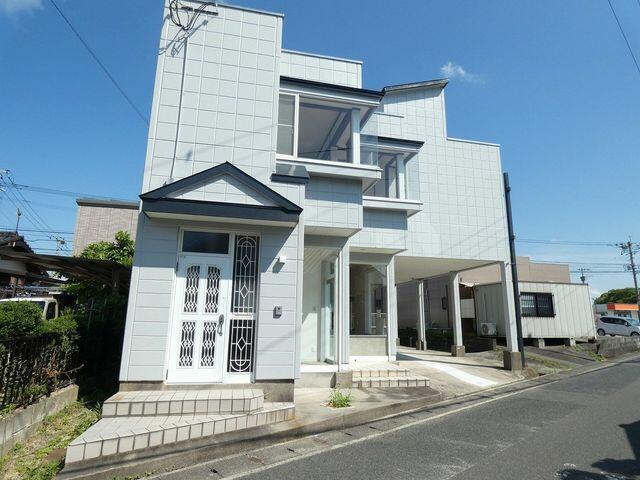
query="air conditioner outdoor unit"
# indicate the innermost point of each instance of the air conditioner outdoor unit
(488, 329)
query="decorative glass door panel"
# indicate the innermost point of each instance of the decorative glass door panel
(201, 309)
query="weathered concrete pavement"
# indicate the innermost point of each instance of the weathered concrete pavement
(569, 426)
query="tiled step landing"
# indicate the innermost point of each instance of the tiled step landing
(386, 376)
(125, 427)
(182, 402)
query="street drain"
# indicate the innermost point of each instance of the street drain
(347, 433)
(291, 450)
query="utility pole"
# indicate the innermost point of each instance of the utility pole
(18, 215)
(514, 267)
(583, 278)
(629, 248)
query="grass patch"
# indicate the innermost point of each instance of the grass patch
(339, 399)
(592, 353)
(41, 455)
(545, 365)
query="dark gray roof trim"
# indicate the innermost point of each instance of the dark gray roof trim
(290, 174)
(442, 82)
(209, 174)
(400, 142)
(370, 94)
(177, 206)
(96, 202)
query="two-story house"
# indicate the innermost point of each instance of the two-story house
(281, 204)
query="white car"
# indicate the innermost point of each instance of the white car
(48, 305)
(624, 326)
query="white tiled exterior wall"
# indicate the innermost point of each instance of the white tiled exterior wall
(319, 68)
(382, 229)
(229, 100)
(228, 108)
(459, 183)
(331, 202)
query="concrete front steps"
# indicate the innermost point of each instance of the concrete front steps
(129, 425)
(387, 376)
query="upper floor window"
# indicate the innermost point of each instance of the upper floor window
(314, 129)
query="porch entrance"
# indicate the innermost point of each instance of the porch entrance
(320, 312)
(214, 308)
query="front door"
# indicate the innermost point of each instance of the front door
(201, 311)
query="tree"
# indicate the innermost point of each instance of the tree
(119, 251)
(101, 315)
(618, 295)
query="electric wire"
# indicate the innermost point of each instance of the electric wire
(624, 36)
(100, 64)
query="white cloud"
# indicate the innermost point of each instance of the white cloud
(13, 8)
(454, 71)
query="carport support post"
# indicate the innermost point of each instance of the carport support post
(421, 326)
(457, 349)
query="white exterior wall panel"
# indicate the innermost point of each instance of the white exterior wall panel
(459, 183)
(229, 81)
(382, 229)
(333, 202)
(320, 68)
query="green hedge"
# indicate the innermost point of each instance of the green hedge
(18, 319)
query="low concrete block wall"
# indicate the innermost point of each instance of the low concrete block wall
(368, 345)
(18, 425)
(613, 346)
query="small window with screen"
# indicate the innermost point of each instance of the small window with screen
(205, 242)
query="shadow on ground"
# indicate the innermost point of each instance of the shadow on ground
(612, 469)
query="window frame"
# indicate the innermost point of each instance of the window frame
(296, 128)
(536, 304)
(296, 107)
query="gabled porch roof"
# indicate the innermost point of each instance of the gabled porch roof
(162, 202)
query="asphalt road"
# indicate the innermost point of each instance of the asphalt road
(582, 427)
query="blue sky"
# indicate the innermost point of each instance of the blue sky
(552, 82)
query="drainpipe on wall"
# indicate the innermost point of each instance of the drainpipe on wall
(514, 266)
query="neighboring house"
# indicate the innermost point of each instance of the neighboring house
(552, 306)
(282, 203)
(550, 310)
(15, 274)
(618, 309)
(528, 271)
(100, 220)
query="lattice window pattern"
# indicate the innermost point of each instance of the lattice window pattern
(212, 294)
(208, 350)
(187, 341)
(191, 289)
(245, 285)
(245, 274)
(241, 345)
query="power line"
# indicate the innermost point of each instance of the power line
(66, 193)
(102, 66)
(40, 231)
(624, 35)
(565, 242)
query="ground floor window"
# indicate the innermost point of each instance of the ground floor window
(368, 309)
(536, 304)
